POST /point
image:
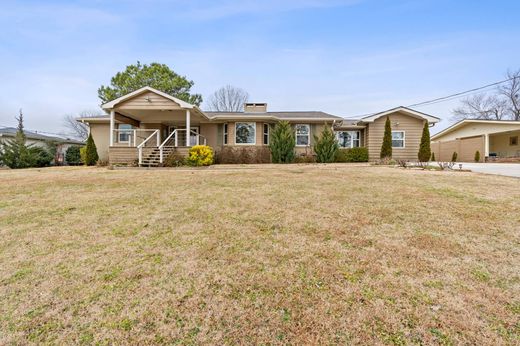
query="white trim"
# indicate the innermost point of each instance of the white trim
(404, 139)
(308, 136)
(113, 103)
(244, 122)
(430, 118)
(188, 128)
(112, 121)
(242, 116)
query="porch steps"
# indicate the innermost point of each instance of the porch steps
(153, 158)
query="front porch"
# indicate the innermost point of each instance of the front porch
(147, 127)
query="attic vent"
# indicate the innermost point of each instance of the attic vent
(255, 107)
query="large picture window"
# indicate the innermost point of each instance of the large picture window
(397, 139)
(245, 133)
(348, 139)
(303, 135)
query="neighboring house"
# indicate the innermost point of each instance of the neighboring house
(494, 139)
(37, 139)
(146, 125)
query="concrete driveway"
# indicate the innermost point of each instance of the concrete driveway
(507, 169)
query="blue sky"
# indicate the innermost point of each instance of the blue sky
(346, 57)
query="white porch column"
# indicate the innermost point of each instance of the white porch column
(112, 123)
(486, 145)
(188, 127)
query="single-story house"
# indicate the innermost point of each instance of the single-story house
(494, 139)
(40, 140)
(147, 125)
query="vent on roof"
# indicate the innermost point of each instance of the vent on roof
(255, 107)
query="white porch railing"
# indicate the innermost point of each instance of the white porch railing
(131, 137)
(173, 141)
(156, 135)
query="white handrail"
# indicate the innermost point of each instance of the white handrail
(140, 146)
(174, 132)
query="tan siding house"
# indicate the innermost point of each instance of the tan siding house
(147, 125)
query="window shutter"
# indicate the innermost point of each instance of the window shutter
(220, 134)
(313, 133)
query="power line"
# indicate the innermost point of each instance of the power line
(444, 98)
(447, 98)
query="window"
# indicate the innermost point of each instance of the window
(124, 133)
(303, 135)
(266, 134)
(348, 139)
(513, 140)
(225, 136)
(245, 133)
(397, 139)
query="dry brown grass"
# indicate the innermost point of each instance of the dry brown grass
(292, 255)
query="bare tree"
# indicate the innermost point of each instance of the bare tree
(228, 99)
(76, 128)
(511, 92)
(481, 106)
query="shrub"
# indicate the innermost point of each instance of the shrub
(174, 160)
(200, 155)
(91, 155)
(282, 143)
(386, 147)
(15, 153)
(305, 158)
(433, 156)
(424, 148)
(72, 155)
(243, 155)
(83, 155)
(326, 146)
(454, 157)
(402, 163)
(39, 157)
(352, 155)
(477, 156)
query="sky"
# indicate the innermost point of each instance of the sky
(344, 57)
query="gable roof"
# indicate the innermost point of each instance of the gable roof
(463, 122)
(402, 109)
(181, 103)
(11, 132)
(297, 115)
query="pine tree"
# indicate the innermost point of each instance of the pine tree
(326, 146)
(15, 153)
(91, 155)
(433, 156)
(282, 143)
(424, 148)
(386, 147)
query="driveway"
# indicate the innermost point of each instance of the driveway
(507, 169)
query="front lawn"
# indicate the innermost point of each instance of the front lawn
(286, 255)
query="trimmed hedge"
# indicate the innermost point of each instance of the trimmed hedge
(352, 155)
(241, 155)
